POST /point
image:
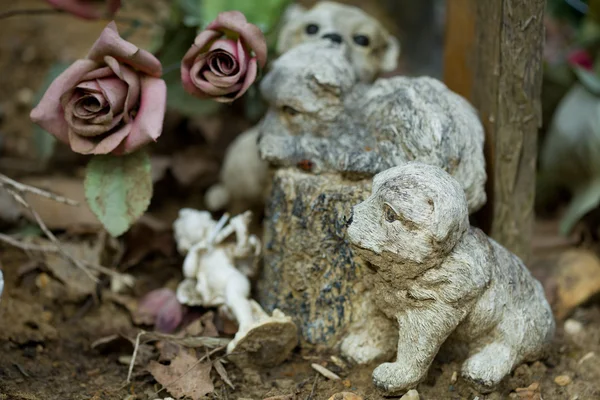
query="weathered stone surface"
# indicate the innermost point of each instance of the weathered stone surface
(309, 269)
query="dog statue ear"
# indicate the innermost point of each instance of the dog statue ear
(389, 61)
(289, 26)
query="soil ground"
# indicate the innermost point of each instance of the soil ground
(45, 342)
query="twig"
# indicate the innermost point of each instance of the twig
(8, 183)
(17, 196)
(135, 350)
(26, 246)
(51, 11)
(314, 387)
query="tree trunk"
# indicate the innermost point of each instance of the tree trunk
(493, 57)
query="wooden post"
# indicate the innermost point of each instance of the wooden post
(493, 57)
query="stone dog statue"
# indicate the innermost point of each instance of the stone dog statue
(372, 51)
(439, 278)
(321, 120)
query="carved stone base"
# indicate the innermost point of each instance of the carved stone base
(310, 272)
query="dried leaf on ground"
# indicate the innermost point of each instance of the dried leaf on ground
(77, 281)
(145, 238)
(58, 215)
(184, 377)
(222, 373)
(570, 281)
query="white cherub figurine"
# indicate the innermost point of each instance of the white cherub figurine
(439, 278)
(212, 279)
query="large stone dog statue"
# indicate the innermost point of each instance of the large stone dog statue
(440, 278)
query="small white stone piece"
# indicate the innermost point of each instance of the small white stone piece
(563, 380)
(573, 327)
(212, 279)
(325, 372)
(454, 377)
(438, 277)
(411, 395)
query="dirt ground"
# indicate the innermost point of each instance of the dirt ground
(48, 342)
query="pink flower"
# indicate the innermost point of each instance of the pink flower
(222, 62)
(581, 58)
(110, 102)
(88, 9)
(161, 308)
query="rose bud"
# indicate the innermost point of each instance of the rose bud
(111, 102)
(223, 61)
(161, 309)
(88, 9)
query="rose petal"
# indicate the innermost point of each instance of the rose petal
(152, 302)
(111, 44)
(250, 77)
(49, 113)
(148, 123)
(187, 78)
(251, 35)
(169, 316)
(220, 81)
(115, 92)
(99, 144)
(131, 78)
(242, 56)
(222, 63)
(212, 90)
(228, 45)
(103, 72)
(202, 40)
(205, 38)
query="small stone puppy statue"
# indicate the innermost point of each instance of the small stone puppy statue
(320, 117)
(372, 51)
(440, 278)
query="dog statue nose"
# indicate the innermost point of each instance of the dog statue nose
(334, 37)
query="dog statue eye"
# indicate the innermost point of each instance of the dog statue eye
(290, 111)
(312, 29)
(361, 40)
(390, 214)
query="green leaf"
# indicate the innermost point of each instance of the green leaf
(263, 13)
(118, 189)
(584, 200)
(43, 141)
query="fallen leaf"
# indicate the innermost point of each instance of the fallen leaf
(58, 215)
(185, 376)
(577, 279)
(144, 239)
(222, 373)
(76, 280)
(210, 330)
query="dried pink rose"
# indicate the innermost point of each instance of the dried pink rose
(223, 61)
(581, 58)
(113, 101)
(88, 9)
(161, 308)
